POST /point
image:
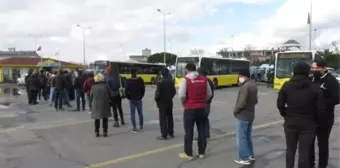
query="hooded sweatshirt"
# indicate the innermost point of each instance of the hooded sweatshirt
(182, 92)
(300, 103)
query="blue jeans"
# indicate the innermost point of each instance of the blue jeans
(207, 122)
(51, 99)
(139, 105)
(244, 140)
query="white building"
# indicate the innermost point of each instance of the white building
(142, 58)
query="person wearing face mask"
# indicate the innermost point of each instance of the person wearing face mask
(244, 112)
(330, 88)
(300, 103)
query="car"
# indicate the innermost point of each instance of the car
(21, 80)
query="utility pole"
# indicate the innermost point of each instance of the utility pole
(164, 31)
(35, 38)
(310, 24)
(84, 28)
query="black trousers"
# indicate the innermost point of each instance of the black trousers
(104, 125)
(32, 97)
(116, 104)
(191, 117)
(166, 121)
(302, 138)
(80, 95)
(322, 134)
(43, 93)
(58, 98)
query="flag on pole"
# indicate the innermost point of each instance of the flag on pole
(308, 19)
(39, 48)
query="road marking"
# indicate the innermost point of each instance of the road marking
(159, 150)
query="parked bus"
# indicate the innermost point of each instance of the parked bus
(222, 71)
(285, 62)
(147, 71)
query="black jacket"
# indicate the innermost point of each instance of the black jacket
(211, 84)
(300, 103)
(134, 88)
(43, 80)
(330, 88)
(68, 81)
(33, 83)
(79, 83)
(165, 92)
(59, 82)
(26, 81)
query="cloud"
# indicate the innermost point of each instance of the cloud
(134, 24)
(290, 22)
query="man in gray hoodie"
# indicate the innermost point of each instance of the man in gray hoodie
(194, 93)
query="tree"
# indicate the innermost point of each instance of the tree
(223, 52)
(331, 58)
(159, 58)
(334, 44)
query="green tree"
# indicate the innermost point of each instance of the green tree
(159, 58)
(223, 52)
(332, 58)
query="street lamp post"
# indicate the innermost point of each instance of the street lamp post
(84, 28)
(310, 24)
(164, 31)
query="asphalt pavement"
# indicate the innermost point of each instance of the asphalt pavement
(39, 137)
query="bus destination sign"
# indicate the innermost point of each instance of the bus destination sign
(294, 55)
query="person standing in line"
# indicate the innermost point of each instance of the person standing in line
(100, 103)
(43, 81)
(52, 94)
(114, 83)
(164, 94)
(68, 86)
(87, 87)
(330, 89)
(59, 84)
(300, 103)
(134, 91)
(204, 73)
(80, 94)
(34, 86)
(27, 85)
(244, 112)
(194, 92)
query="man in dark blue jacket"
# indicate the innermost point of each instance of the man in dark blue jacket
(134, 91)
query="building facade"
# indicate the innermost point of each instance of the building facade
(146, 53)
(12, 68)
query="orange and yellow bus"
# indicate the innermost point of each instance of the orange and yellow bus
(285, 62)
(222, 71)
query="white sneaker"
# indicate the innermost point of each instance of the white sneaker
(201, 156)
(252, 158)
(242, 162)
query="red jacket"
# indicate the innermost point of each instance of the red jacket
(87, 85)
(196, 93)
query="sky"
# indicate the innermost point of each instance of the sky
(115, 29)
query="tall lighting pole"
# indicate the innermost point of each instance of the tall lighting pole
(310, 24)
(164, 31)
(84, 28)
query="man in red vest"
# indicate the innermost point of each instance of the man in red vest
(194, 93)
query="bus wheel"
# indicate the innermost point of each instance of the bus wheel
(215, 82)
(153, 81)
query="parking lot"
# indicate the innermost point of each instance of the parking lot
(39, 137)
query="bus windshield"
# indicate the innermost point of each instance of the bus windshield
(286, 62)
(182, 62)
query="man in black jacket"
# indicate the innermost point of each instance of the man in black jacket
(301, 104)
(134, 91)
(330, 88)
(43, 80)
(33, 85)
(59, 84)
(78, 86)
(164, 94)
(68, 86)
(27, 86)
(203, 72)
